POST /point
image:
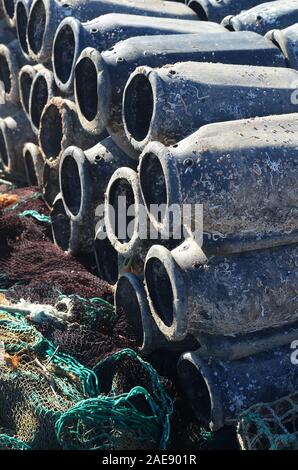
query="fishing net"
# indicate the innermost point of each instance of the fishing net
(90, 344)
(32, 263)
(36, 385)
(48, 400)
(15, 227)
(127, 416)
(272, 426)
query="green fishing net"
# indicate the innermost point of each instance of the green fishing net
(135, 419)
(270, 426)
(49, 400)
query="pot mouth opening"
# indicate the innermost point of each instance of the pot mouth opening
(25, 88)
(64, 53)
(37, 26)
(51, 132)
(71, 187)
(160, 290)
(198, 9)
(86, 85)
(5, 75)
(121, 200)
(21, 23)
(106, 260)
(127, 301)
(197, 390)
(61, 226)
(39, 98)
(153, 185)
(138, 106)
(31, 173)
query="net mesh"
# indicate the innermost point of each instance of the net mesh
(30, 260)
(272, 426)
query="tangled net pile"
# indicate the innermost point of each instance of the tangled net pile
(51, 401)
(52, 308)
(272, 426)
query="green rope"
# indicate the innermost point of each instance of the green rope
(11, 443)
(36, 215)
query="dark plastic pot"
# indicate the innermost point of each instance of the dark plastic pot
(45, 16)
(170, 103)
(223, 296)
(287, 41)
(220, 391)
(84, 177)
(104, 32)
(261, 18)
(100, 105)
(216, 10)
(226, 167)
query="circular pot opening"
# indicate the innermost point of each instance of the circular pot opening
(153, 185)
(51, 132)
(160, 290)
(9, 7)
(121, 199)
(25, 87)
(22, 20)
(196, 390)
(71, 184)
(198, 9)
(36, 26)
(40, 96)
(138, 107)
(3, 149)
(127, 302)
(5, 73)
(106, 260)
(86, 88)
(30, 169)
(60, 225)
(64, 53)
